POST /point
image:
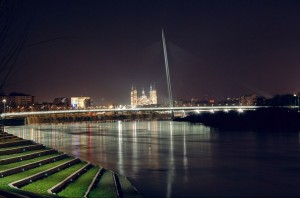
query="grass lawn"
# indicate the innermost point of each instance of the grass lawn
(41, 186)
(105, 187)
(79, 187)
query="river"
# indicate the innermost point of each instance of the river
(178, 159)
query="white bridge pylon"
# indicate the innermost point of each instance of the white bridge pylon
(133, 110)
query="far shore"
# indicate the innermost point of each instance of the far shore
(275, 119)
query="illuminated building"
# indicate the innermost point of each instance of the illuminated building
(248, 100)
(80, 102)
(134, 97)
(143, 100)
(18, 99)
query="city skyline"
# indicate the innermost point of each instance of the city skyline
(217, 49)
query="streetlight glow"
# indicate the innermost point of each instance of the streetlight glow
(4, 101)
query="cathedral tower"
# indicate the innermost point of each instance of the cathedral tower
(153, 96)
(134, 97)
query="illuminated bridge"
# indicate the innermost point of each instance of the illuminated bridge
(196, 109)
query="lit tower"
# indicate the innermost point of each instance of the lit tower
(153, 96)
(167, 71)
(134, 97)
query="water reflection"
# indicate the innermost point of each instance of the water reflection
(169, 159)
(120, 149)
(185, 159)
(134, 148)
(171, 163)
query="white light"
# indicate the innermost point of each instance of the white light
(240, 110)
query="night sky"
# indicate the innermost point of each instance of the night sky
(217, 49)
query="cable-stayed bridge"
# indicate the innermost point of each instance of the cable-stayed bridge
(170, 109)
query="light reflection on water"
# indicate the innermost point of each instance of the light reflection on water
(171, 159)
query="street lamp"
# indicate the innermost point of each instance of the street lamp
(297, 101)
(4, 101)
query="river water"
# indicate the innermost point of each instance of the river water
(178, 159)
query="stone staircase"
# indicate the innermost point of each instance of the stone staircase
(28, 169)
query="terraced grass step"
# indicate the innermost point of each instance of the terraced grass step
(25, 156)
(32, 165)
(41, 186)
(105, 187)
(11, 147)
(10, 139)
(20, 155)
(80, 187)
(128, 190)
(43, 174)
(5, 138)
(94, 181)
(35, 171)
(21, 149)
(6, 194)
(5, 181)
(8, 156)
(24, 162)
(117, 185)
(6, 135)
(58, 187)
(15, 143)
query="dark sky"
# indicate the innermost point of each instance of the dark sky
(217, 49)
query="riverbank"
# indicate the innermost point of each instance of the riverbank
(260, 119)
(29, 169)
(84, 117)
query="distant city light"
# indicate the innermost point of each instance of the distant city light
(240, 110)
